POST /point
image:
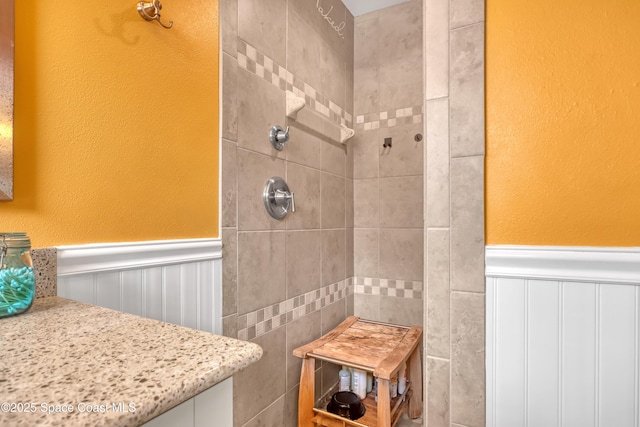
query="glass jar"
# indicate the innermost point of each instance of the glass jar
(17, 279)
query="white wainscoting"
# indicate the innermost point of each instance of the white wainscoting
(176, 281)
(563, 337)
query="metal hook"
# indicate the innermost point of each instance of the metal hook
(154, 7)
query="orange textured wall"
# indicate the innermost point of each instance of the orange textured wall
(116, 123)
(563, 122)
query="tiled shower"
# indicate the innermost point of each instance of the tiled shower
(370, 221)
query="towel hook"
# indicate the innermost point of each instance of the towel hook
(151, 12)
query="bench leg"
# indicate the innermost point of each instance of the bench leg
(306, 397)
(415, 375)
(384, 403)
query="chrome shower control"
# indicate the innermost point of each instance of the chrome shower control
(277, 198)
(278, 136)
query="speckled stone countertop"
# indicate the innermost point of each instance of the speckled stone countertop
(63, 353)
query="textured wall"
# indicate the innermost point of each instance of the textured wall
(563, 94)
(116, 123)
(285, 282)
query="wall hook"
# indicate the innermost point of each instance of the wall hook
(151, 12)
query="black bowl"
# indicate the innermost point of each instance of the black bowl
(347, 405)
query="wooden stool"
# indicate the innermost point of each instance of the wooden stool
(374, 347)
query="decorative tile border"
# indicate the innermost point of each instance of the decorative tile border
(390, 118)
(259, 322)
(388, 287)
(256, 62)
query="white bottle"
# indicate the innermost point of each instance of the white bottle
(345, 379)
(359, 383)
(402, 379)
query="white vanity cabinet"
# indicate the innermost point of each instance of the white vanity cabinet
(211, 408)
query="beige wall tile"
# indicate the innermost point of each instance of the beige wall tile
(438, 340)
(466, 12)
(401, 202)
(365, 60)
(437, 168)
(349, 203)
(365, 154)
(332, 315)
(274, 415)
(333, 256)
(304, 249)
(334, 158)
(467, 224)
(229, 97)
(329, 377)
(257, 386)
(467, 91)
(291, 415)
(229, 186)
(229, 26)
(262, 24)
(350, 52)
(405, 156)
(303, 147)
(366, 96)
(365, 252)
(401, 254)
(300, 332)
(261, 270)
(349, 252)
(400, 31)
(437, 49)
(332, 196)
(230, 326)
(467, 359)
(318, 20)
(438, 392)
(305, 184)
(260, 106)
(350, 305)
(366, 206)
(400, 83)
(401, 311)
(314, 61)
(253, 172)
(229, 271)
(367, 306)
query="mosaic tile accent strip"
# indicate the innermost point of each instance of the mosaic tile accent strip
(45, 265)
(259, 322)
(388, 287)
(391, 118)
(254, 61)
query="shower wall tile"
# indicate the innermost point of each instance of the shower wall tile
(269, 372)
(438, 337)
(261, 105)
(300, 332)
(438, 392)
(437, 49)
(366, 205)
(304, 249)
(367, 306)
(253, 171)
(316, 15)
(349, 257)
(329, 377)
(405, 156)
(466, 12)
(314, 61)
(229, 185)
(467, 91)
(349, 203)
(230, 326)
(229, 97)
(400, 29)
(365, 65)
(273, 415)
(332, 195)
(333, 256)
(291, 407)
(467, 224)
(229, 26)
(261, 270)
(401, 311)
(366, 90)
(401, 254)
(229, 271)
(305, 183)
(263, 25)
(303, 147)
(365, 154)
(332, 315)
(334, 158)
(400, 83)
(401, 202)
(350, 52)
(467, 359)
(365, 252)
(437, 168)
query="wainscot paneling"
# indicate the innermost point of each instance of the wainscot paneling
(563, 337)
(177, 282)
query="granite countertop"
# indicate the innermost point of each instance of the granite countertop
(63, 355)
